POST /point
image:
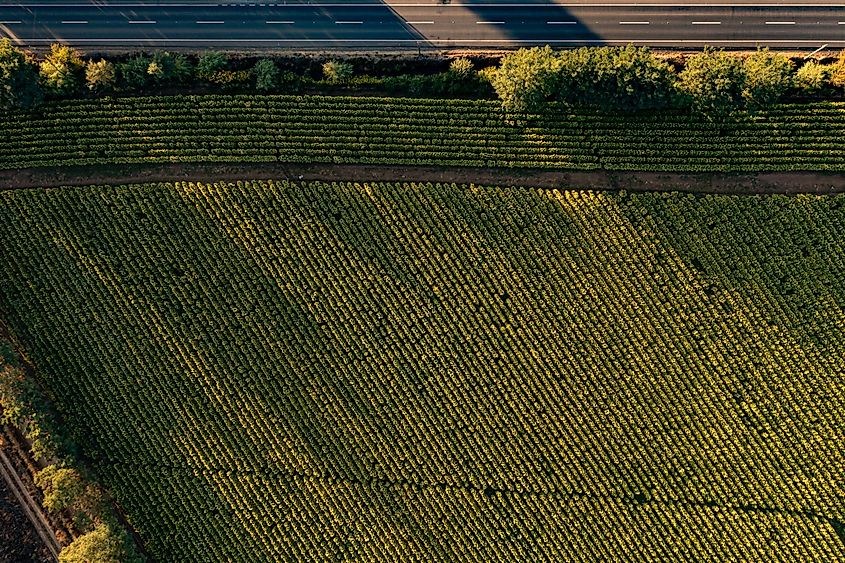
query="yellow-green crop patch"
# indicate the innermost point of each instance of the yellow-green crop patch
(276, 371)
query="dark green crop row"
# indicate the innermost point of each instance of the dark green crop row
(415, 131)
(273, 371)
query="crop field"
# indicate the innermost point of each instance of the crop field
(277, 371)
(366, 130)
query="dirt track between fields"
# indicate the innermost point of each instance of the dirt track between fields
(762, 183)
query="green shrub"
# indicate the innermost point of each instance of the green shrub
(19, 85)
(62, 70)
(210, 64)
(337, 72)
(811, 77)
(100, 75)
(266, 75)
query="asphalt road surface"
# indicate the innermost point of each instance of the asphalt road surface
(438, 23)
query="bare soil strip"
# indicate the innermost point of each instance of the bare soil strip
(762, 183)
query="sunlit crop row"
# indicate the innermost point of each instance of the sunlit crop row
(363, 130)
(279, 371)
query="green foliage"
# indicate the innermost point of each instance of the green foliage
(19, 86)
(811, 77)
(615, 78)
(462, 67)
(134, 74)
(526, 79)
(62, 70)
(585, 365)
(63, 487)
(103, 544)
(337, 72)
(266, 75)
(25, 408)
(767, 77)
(100, 75)
(210, 64)
(715, 82)
(836, 71)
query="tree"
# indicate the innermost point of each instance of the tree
(461, 67)
(337, 71)
(210, 64)
(103, 544)
(525, 79)
(836, 71)
(616, 78)
(133, 75)
(18, 77)
(811, 77)
(714, 80)
(62, 70)
(99, 75)
(767, 76)
(168, 68)
(266, 75)
(63, 488)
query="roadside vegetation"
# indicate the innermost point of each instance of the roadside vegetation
(621, 79)
(260, 371)
(97, 534)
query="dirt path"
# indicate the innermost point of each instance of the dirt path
(779, 182)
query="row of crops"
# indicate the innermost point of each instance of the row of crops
(414, 132)
(265, 371)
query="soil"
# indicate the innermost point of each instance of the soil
(762, 183)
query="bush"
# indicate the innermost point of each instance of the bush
(714, 81)
(210, 64)
(62, 70)
(266, 75)
(526, 79)
(63, 488)
(616, 78)
(462, 67)
(169, 69)
(100, 75)
(836, 71)
(767, 76)
(18, 77)
(103, 544)
(133, 75)
(337, 72)
(811, 77)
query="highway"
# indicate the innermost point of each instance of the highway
(428, 24)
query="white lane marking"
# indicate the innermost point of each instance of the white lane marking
(561, 23)
(74, 22)
(421, 23)
(349, 22)
(208, 22)
(490, 23)
(275, 22)
(634, 23)
(15, 22)
(706, 23)
(142, 22)
(780, 23)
